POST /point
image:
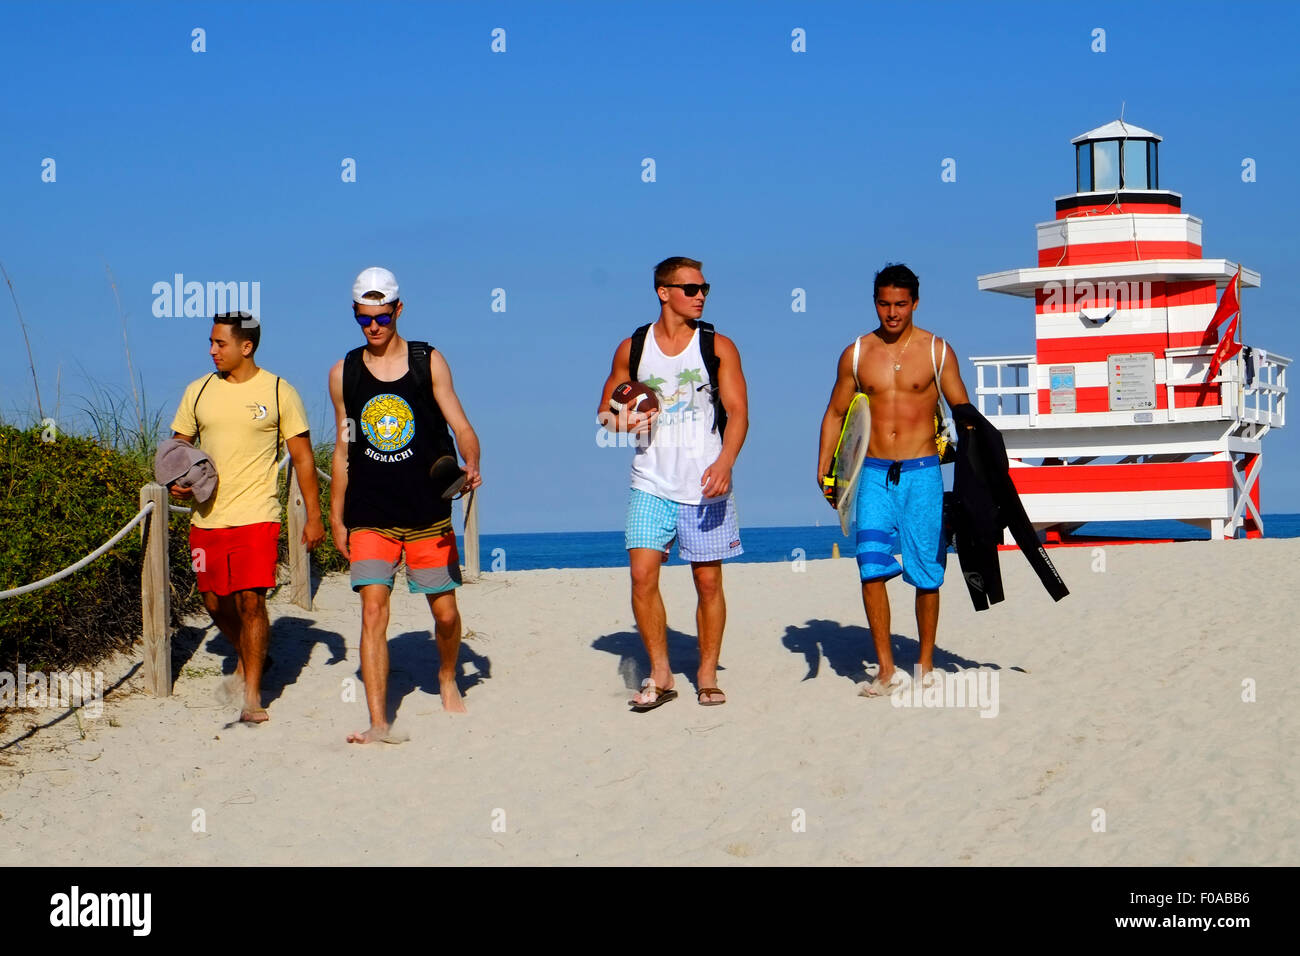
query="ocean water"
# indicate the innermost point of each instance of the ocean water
(604, 549)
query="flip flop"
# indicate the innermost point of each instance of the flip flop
(709, 692)
(661, 697)
(447, 476)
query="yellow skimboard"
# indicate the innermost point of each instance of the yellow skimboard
(850, 453)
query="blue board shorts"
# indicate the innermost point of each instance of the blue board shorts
(708, 531)
(901, 502)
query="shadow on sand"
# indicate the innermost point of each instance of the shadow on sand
(289, 650)
(413, 662)
(847, 650)
(634, 663)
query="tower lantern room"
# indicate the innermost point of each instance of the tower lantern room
(1116, 157)
(1114, 417)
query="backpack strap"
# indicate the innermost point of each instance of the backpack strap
(417, 360)
(944, 429)
(196, 405)
(711, 364)
(857, 347)
(277, 420)
(634, 357)
(353, 365)
(938, 369)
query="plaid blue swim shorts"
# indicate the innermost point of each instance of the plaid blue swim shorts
(708, 531)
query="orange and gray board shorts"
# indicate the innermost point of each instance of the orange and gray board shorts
(242, 558)
(432, 561)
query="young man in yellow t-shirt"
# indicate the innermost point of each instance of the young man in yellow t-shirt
(237, 415)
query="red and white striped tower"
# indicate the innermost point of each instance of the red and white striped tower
(1111, 418)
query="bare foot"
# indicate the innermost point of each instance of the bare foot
(380, 734)
(452, 702)
(254, 715)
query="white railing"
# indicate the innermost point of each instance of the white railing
(1264, 399)
(1261, 401)
(1004, 396)
(1006, 390)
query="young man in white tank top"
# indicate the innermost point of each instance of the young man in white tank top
(681, 473)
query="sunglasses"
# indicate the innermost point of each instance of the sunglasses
(692, 289)
(383, 318)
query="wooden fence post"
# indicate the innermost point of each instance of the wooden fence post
(155, 593)
(471, 535)
(299, 557)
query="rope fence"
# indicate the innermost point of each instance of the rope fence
(155, 582)
(74, 568)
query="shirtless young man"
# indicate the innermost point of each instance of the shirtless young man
(900, 494)
(392, 425)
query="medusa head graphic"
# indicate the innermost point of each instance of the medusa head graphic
(388, 422)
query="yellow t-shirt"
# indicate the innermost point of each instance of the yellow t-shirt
(237, 427)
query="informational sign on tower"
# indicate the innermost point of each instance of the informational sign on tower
(1062, 390)
(1132, 381)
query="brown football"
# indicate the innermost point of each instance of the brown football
(634, 397)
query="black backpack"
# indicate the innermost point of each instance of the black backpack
(417, 360)
(711, 363)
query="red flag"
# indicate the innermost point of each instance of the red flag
(1228, 347)
(1229, 305)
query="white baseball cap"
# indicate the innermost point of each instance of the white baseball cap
(375, 279)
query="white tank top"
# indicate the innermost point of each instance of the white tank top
(683, 442)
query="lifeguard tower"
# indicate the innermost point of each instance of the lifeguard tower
(1111, 418)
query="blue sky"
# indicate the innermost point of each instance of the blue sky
(522, 171)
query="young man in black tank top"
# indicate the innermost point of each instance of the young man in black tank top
(384, 505)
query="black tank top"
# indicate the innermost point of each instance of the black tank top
(397, 433)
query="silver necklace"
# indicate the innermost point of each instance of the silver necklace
(899, 364)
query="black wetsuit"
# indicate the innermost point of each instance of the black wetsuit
(983, 502)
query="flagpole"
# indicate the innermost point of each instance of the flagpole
(1241, 338)
(1240, 307)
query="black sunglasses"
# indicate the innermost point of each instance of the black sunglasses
(692, 289)
(383, 318)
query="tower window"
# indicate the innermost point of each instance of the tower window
(1105, 164)
(1112, 164)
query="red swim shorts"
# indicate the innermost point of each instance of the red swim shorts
(227, 560)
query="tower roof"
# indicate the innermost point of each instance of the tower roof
(1116, 129)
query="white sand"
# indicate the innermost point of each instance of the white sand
(1126, 697)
